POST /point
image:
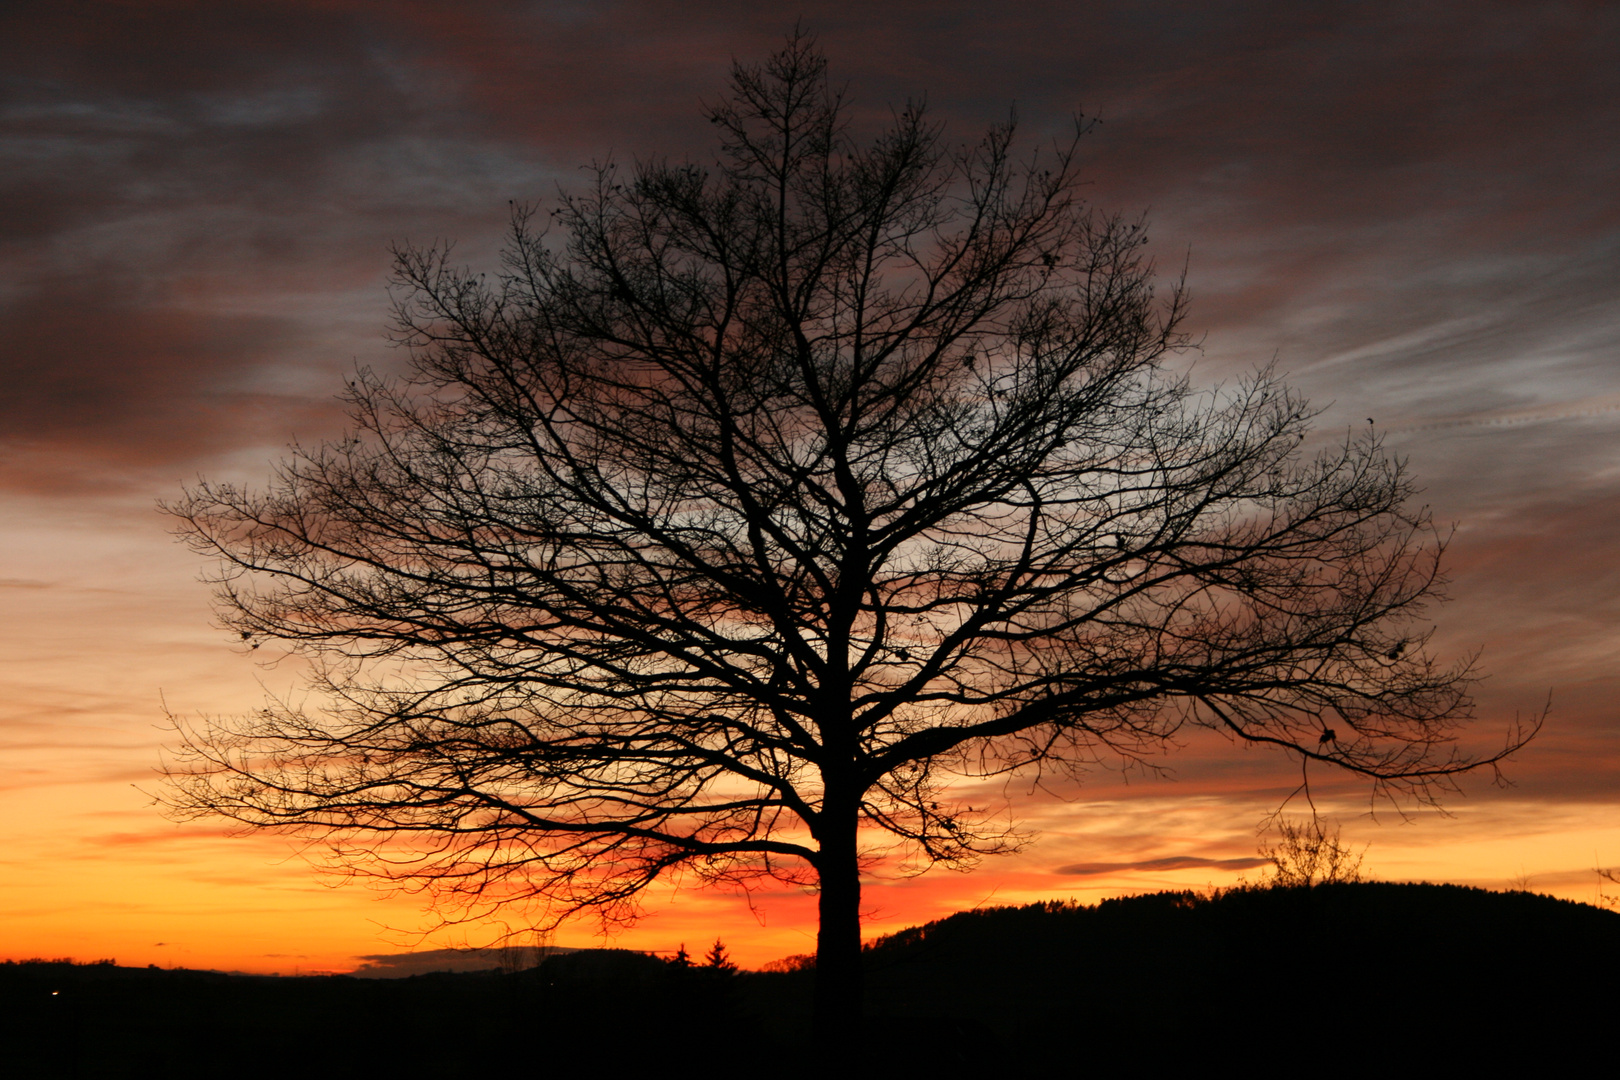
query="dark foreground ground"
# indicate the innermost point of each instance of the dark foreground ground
(1407, 979)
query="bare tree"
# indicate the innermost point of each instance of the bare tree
(1307, 853)
(752, 503)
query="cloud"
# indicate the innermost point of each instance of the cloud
(188, 838)
(84, 365)
(427, 961)
(1174, 862)
(1313, 157)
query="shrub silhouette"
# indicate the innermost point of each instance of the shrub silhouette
(1306, 854)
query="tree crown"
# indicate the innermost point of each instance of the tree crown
(751, 503)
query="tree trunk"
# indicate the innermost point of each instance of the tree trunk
(839, 981)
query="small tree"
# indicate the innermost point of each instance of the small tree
(751, 504)
(718, 959)
(1306, 854)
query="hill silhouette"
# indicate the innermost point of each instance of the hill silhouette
(1331, 975)
(1408, 977)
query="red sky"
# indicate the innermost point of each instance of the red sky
(1409, 205)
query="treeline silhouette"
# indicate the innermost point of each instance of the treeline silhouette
(1414, 977)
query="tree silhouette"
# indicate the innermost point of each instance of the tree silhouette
(750, 504)
(1306, 853)
(718, 958)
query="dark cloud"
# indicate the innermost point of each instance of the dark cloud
(99, 384)
(147, 106)
(426, 961)
(1345, 162)
(86, 366)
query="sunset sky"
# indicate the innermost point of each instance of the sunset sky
(1410, 206)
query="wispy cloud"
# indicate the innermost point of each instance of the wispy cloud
(425, 961)
(1173, 862)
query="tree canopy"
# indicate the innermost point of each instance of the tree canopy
(752, 502)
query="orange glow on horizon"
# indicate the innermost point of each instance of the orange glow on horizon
(92, 870)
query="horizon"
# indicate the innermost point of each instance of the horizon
(1410, 208)
(509, 958)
